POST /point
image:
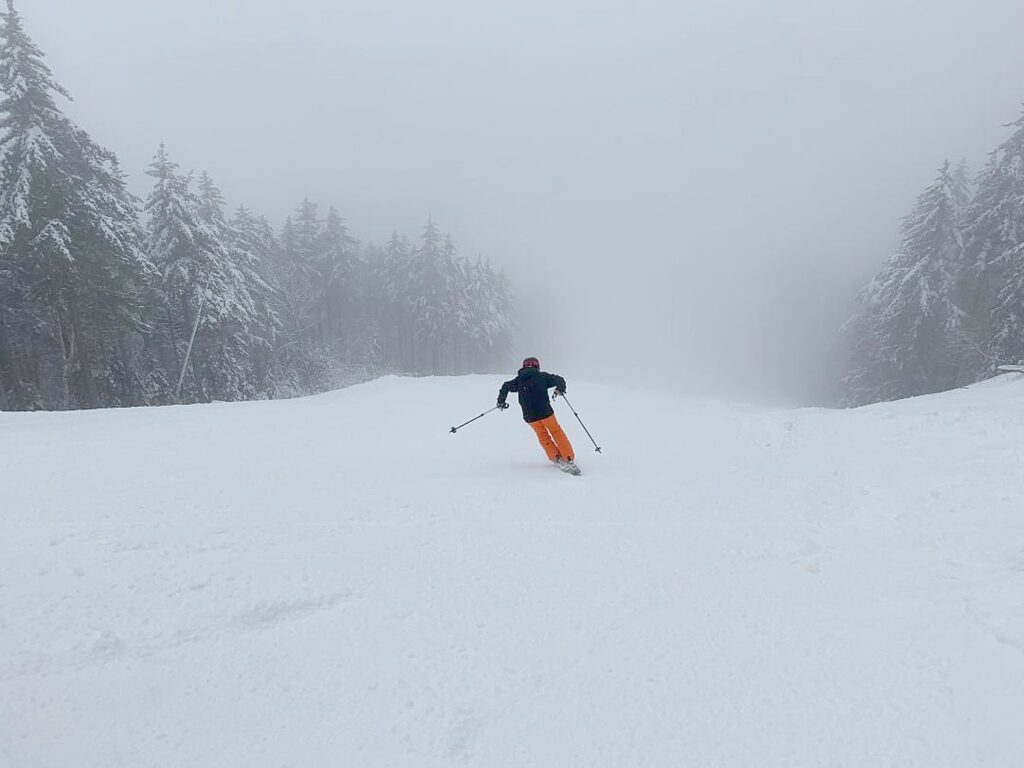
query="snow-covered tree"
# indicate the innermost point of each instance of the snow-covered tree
(432, 299)
(297, 273)
(994, 246)
(204, 290)
(437, 312)
(394, 304)
(251, 242)
(905, 339)
(962, 188)
(69, 245)
(98, 310)
(490, 310)
(305, 244)
(338, 269)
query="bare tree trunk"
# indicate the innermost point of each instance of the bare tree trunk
(65, 345)
(188, 352)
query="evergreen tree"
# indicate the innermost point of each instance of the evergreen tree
(251, 244)
(301, 361)
(395, 303)
(69, 245)
(305, 246)
(210, 206)
(337, 268)
(905, 338)
(961, 188)
(292, 302)
(365, 331)
(432, 300)
(299, 272)
(503, 312)
(460, 329)
(204, 291)
(242, 252)
(96, 310)
(490, 312)
(994, 243)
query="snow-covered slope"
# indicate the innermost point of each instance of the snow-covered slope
(338, 581)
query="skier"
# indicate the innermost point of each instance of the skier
(532, 384)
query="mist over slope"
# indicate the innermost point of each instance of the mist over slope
(338, 580)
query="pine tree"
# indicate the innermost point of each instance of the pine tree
(306, 244)
(962, 189)
(251, 240)
(69, 245)
(337, 267)
(301, 362)
(490, 315)
(433, 299)
(461, 320)
(905, 338)
(395, 305)
(210, 206)
(994, 244)
(251, 243)
(203, 289)
(365, 330)
(95, 309)
(300, 271)
(240, 253)
(293, 305)
(500, 313)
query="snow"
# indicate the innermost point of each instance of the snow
(337, 580)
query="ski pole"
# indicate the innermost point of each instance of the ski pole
(456, 429)
(596, 446)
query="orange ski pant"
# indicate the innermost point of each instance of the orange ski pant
(552, 438)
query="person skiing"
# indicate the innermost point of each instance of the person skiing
(532, 385)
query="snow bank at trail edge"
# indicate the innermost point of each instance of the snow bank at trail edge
(338, 580)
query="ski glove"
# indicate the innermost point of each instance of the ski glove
(502, 405)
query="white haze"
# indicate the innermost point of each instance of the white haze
(686, 195)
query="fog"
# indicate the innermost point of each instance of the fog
(686, 195)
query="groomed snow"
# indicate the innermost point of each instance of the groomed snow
(338, 581)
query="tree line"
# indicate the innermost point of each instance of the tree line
(948, 305)
(108, 302)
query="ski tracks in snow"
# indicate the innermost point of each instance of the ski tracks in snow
(262, 584)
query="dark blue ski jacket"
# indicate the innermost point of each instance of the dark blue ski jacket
(532, 385)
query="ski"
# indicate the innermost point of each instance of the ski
(569, 467)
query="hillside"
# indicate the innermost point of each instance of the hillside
(337, 580)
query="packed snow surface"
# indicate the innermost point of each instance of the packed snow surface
(338, 581)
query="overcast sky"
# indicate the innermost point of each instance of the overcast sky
(685, 193)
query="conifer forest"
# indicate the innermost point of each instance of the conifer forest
(108, 300)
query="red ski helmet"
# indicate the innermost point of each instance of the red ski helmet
(531, 362)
